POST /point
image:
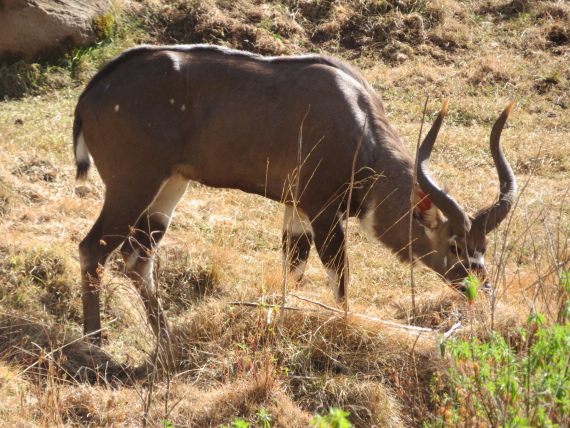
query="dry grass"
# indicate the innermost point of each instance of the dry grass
(224, 246)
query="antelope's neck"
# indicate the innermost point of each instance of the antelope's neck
(388, 207)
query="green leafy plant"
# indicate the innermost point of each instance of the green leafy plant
(237, 423)
(104, 27)
(336, 418)
(471, 284)
(263, 418)
(564, 311)
(495, 385)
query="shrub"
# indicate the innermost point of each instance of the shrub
(494, 385)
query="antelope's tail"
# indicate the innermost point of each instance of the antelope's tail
(82, 156)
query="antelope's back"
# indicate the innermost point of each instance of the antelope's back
(228, 118)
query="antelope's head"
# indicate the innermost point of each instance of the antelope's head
(458, 241)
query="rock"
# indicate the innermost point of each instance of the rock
(46, 29)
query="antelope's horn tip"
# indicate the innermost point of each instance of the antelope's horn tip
(509, 107)
(444, 107)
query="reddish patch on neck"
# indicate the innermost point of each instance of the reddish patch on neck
(425, 204)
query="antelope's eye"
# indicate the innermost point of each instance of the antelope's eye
(455, 250)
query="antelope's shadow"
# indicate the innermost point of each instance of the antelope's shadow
(40, 350)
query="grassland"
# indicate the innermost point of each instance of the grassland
(223, 248)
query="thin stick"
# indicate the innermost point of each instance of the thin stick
(393, 324)
(263, 305)
(412, 201)
(346, 216)
(452, 329)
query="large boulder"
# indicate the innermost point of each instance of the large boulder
(45, 29)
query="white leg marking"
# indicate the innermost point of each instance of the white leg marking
(117, 108)
(131, 262)
(296, 272)
(167, 199)
(142, 265)
(296, 223)
(368, 222)
(299, 271)
(83, 261)
(162, 210)
(333, 282)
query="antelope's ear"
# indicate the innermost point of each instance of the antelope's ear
(425, 210)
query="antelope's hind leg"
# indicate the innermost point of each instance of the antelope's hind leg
(124, 204)
(139, 248)
(298, 234)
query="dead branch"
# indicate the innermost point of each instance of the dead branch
(393, 324)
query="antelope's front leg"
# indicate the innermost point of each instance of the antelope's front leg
(297, 241)
(329, 240)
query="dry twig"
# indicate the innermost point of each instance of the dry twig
(393, 324)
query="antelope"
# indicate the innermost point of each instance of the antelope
(155, 118)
